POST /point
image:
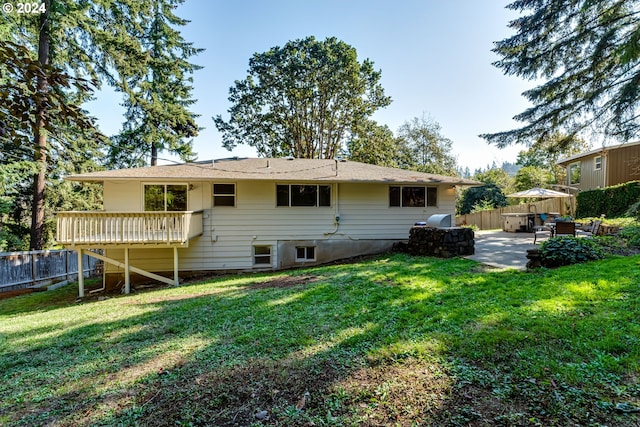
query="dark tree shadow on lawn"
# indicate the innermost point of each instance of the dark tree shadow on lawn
(370, 343)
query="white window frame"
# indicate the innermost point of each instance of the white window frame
(597, 162)
(165, 185)
(234, 195)
(306, 257)
(261, 255)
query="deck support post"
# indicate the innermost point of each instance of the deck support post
(127, 272)
(80, 275)
(176, 280)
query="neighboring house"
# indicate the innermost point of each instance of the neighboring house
(249, 214)
(603, 167)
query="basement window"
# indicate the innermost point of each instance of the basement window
(262, 255)
(305, 253)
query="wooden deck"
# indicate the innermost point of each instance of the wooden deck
(130, 229)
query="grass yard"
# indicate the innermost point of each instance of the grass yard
(393, 340)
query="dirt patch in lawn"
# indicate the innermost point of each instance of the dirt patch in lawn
(15, 293)
(285, 282)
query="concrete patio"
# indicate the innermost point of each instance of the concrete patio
(500, 249)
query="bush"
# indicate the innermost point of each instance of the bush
(485, 196)
(612, 201)
(631, 235)
(560, 251)
(634, 211)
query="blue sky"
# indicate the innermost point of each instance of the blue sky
(435, 57)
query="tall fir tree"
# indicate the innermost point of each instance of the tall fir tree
(158, 95)
(72, 40)
(587, 52)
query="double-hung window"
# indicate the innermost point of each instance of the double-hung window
(262, 255)
(224, 195)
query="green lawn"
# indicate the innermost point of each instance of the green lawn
(393, 340)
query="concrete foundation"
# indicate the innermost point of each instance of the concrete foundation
(324, 251)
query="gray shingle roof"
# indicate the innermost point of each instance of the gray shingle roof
(273, 169)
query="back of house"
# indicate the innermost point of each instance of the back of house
(251, 214)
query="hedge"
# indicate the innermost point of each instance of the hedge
(612, 201)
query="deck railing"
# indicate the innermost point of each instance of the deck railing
(125, 228)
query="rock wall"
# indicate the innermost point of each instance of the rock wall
(441, 242)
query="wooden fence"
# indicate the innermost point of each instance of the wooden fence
(24, 269)
(490, 220)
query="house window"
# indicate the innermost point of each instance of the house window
(574, 173)
(597, 163)
(303, 195)
(224, 195)
(305, 253)
(262, 255)
(165, 197)
(412, 196)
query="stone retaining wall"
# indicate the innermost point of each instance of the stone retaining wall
(441, 242)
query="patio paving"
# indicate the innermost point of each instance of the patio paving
(500, 249)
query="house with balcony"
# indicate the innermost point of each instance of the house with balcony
(603, 167)
(248, 214)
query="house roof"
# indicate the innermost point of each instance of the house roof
(272, 169)
(567, 160)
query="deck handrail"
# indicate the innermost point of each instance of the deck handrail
(107, 228)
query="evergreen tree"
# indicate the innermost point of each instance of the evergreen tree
(587, 51)
(70, 39)
(158, 94)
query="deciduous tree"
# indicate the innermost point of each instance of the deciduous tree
(430, 150)
(304, 99)
(546, 152)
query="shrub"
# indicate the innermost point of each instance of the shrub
(569, 250)
(634, 210)
(612, 201)
(631, 235)
(487, 195)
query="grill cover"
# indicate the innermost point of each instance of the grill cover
(439, 220)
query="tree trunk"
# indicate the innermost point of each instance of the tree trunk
(40, 138)
(154, 154)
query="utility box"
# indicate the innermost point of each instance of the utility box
(513, 222)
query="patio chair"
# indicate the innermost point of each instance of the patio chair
(541, 230)
(591, 230)
(565, 228)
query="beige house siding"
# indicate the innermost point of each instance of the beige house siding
(624, 165)
(367, 224)
(590, 177)
(620, 164)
